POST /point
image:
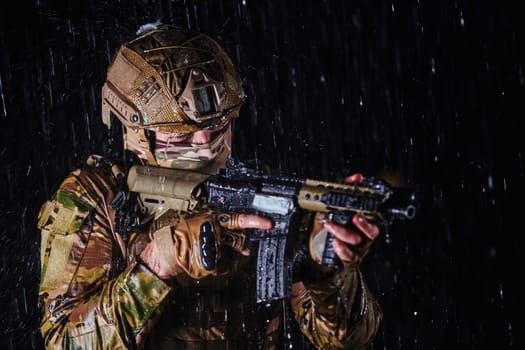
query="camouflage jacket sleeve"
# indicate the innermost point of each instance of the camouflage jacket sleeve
(92, 297)
(337, 312)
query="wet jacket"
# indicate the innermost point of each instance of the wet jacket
(96, 294)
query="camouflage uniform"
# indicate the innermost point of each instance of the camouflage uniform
(97, 294)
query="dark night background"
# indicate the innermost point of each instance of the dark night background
(430, 91)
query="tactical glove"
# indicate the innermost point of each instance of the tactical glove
(190, 244)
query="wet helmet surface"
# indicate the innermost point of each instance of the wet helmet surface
(171, 80)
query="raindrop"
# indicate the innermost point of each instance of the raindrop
(88, 127)
(25, 300)
(50, 91)
(490, 183)
(509, 327)
(4, 113)
(292, 73)
(108, 51)
(461, 20)
(52, 62)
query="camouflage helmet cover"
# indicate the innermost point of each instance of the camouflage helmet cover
(171, 80)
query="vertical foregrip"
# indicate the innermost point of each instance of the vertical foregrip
(340, 218)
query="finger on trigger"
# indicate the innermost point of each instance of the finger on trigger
(254, 221)
(240, 221)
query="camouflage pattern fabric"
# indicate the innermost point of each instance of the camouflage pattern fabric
(338, 312)
(85, 307)
(96, 295)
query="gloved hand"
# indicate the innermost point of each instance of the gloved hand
(351, 244)
(184, 243)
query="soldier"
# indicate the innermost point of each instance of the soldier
(116, 276)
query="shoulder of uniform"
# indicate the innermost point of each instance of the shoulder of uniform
(79, 193)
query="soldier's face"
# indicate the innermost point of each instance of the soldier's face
(192, 151)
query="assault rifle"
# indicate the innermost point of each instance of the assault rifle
(241, 189)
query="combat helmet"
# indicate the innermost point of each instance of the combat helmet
(171, 80)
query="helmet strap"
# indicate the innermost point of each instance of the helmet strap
(140, 137)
